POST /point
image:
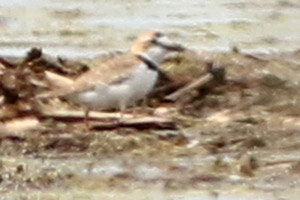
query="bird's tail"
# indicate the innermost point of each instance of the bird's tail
(59, 85)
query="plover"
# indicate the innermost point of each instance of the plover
(123, 80)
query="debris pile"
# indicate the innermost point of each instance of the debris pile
(21, 80)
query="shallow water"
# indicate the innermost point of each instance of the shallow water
(87, 28)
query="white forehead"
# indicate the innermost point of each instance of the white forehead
(150, 35)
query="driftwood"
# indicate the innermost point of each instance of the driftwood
(281, 162)
(143, 123)
(18, 126)
(215, 73)
(167, 88)
(112, 120)
(196, 84)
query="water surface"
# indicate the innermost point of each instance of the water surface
(87, 28)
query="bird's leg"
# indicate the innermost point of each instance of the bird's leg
(144, 103)
(145, 106)
(86, 119)
(139, 108)
(135, 110)
(120, 118)
(122, 110)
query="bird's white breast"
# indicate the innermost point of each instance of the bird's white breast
(142, 82)
(134, 88)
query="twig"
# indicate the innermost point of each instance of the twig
(167, 88)
(140, 124)
(19, 126)
(280, 162)
(7, 63)
(196, 84)
(215, 73)
(128, 120)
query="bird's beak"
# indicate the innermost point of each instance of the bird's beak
(167, 44)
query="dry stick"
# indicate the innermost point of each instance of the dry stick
(196, 84)
(175, 85)
(280, 162)
(142, 122)
(6, 63)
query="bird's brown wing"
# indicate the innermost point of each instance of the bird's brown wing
(111, 71)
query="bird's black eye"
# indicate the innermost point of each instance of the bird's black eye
(154, 41)
(158, 34)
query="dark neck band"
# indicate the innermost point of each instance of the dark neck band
(150, 64)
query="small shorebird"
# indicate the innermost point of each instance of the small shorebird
(123, 80)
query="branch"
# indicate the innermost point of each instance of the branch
(196, 84)
(112, 121)
(215, 73)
